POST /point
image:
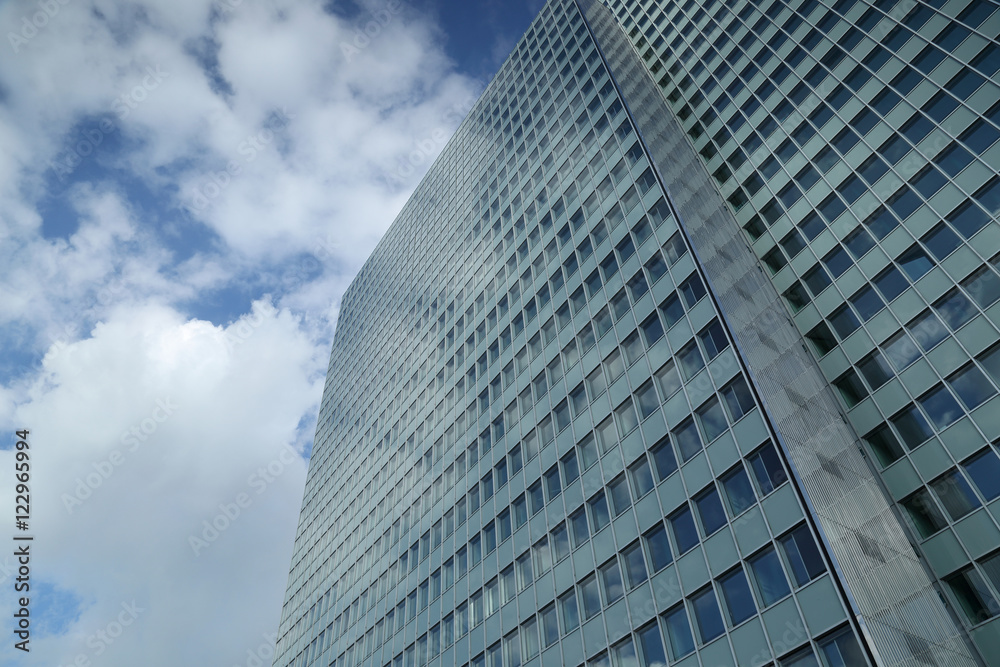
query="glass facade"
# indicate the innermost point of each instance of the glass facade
(683, 352)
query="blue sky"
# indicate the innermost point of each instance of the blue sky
(188, 189)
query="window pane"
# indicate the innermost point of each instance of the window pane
(927, 330)
(590, 597)
(739, 400)
(664, 459)
(658, 548)
(738, 491)
(767, 469)
(667, 380)
(955, 494)
(679, 637)
(983, 286)
(769, 577)
(984, 469)
(611, 581)
(954, 309)
(685, 534)
(842, 650)
(803, 555)
(580, 528)
(941, 406)
(913, 429)
(688, 440)
(635, 566)
(550, 628)
(971, 386)
(647, 400)
(642, 477)
(901, 350)
(924, 513)
(651, 646)
(973, 595)
(626, 417)
(567, 607)
(707, 616)
(599, 514)
(712, 419)
(737, 596)
(620, 499)
(884, 445)
(710, 511)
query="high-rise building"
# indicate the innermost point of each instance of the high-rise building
(685, 351)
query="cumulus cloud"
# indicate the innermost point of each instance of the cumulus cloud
(188, 189)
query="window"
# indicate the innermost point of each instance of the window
(884, 445)
(626, 417)
(710, 510)
(803, 556)
(536, 498)
(590, 597)
(738, 398)
(927, 330)
(568, 611)
(983, 286)
(688, 440)
(611, 581)
(971, 386)
(769, 578)
(706, 615)
(767, 469)
(658, 548)
(973, 596)
(940, 406)
(954, 309)
(679, 637)
(924, 514)
(737, 596)
(737, 490)
(550, 627)
(984, 470)
(599, 514)
(570, 468)
(646, 399)
(682, 525)
(691, 360)
(542, 556)
(875, 369)
(651, 646)
(667, 380)
(620, 500)
(524, 573)
(520, 508)
(552, 485)
(641, 477)
(712, 419)
(955, 494)
(663, 458)
(713, 339)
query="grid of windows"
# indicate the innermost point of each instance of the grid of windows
(556, 422)
(857, 145)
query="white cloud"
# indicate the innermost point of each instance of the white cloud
(114, 116)
(140, 433)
